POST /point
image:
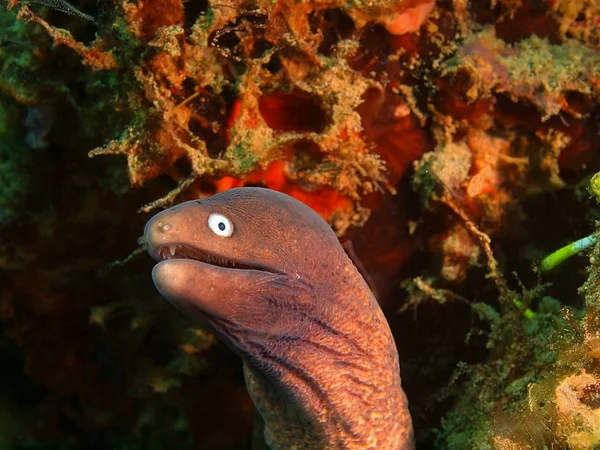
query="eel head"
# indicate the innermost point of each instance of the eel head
(238, 255)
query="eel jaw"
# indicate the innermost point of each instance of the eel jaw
(183, 251)
(203, 285)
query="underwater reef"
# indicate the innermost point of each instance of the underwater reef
(450, 144)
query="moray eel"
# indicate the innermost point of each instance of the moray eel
(269, 276)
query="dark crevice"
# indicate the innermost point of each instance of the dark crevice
(293, 111)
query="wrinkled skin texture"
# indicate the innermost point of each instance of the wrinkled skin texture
(320, 362)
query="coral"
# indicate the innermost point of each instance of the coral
(410, 20)
(92, 56)
(533, 71)
(579, 418)
(449, 143)
(280, 101)
(561, 406)
(578, 19)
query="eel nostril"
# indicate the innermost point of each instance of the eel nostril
(163, 227)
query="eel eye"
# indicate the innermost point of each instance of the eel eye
(220, 225)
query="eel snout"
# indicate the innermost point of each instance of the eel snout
(168, 237)
(162, 236)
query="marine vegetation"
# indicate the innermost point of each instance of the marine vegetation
(450, 145)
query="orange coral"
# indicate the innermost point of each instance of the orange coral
(324, 200)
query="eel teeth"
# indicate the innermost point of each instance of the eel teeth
(168, 252)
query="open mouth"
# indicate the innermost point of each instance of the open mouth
(180, 251)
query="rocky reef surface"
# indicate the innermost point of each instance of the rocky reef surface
(450, 144)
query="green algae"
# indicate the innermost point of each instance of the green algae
(19, 77)
(521, 352)
(568, 66)
(532, 69)
(591, 288)
(538, 387)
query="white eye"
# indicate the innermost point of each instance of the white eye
(220, 225)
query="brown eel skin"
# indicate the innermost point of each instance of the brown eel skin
(269, 276)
